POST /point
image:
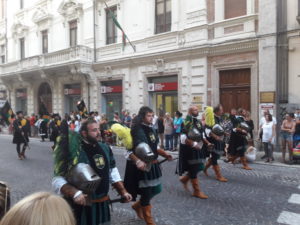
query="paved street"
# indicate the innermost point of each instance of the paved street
(265, 195)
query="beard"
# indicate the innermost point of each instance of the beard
(93, 140)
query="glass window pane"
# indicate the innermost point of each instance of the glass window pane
(168, 6)
(160, 8)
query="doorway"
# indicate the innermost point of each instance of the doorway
(235, 89)
(166, 102)
(45, 96)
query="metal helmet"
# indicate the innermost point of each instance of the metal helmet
(144, 152)
(244, 126)
(218, 130)
(194, 134)
(84, 178)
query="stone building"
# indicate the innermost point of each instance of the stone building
(201, 52)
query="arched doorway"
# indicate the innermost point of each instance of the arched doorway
(45, 97)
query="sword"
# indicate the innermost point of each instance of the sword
(164, 160)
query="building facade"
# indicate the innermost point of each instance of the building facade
(201, 52)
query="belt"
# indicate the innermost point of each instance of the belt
(99, 200)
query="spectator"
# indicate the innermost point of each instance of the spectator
(250, 123)
(268, 136)
(297, 132)
(161, 130)
(177, 128)
(40, 208)
(168, 125)
(32, 126)
(4, 199)
(287, 130)
(297, 114)
(127, 119)
(116, 117)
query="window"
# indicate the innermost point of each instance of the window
(163, 16)
(235, 8)
(22, 48)
(2, 53)
(21, 4)
(3, 9)
(111, 29)
(73, 33)
(45, 41)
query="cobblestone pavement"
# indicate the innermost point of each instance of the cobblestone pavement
(260, 196)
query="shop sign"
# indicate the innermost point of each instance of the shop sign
(111, 89)
(267, 97)
(170, 86)
(72, 91)
(21, 94)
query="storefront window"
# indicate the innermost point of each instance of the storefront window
(163, 94)
(111, 98)
(21, 100)
(72, 97)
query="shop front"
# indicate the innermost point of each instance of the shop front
(72, 94)
(21, 100)
(163, 94)
(111, 100)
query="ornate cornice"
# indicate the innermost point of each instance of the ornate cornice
(41, 15)
(19, 30)
(70, 9)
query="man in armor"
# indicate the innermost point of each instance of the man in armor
(72, 152)
(21, 128)
(238, 142)
(54, 127)
(143, 174)
(191, 157)
(214, 134)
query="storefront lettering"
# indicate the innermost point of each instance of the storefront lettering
(73, 91)
(111, 89)
(170, 86)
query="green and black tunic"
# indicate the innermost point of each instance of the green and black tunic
(100, 157)
(137, 181)
(190, 160)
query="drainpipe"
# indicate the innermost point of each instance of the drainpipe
(95, 27)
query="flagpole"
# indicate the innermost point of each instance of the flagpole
(133, 46)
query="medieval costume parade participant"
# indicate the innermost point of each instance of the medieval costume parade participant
(43, 127)
(83, 169)
(54, 128)
(214, 134)
(21, 128)
(143, 174)
(238, 141)
(191, 157)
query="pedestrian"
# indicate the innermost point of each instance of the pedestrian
(90, 208)
(214, 134)
(287, 131)
(177, 123)
(20, 134)
(117, 118)
(41, 208)
(43, 127)
(161, 130)
(141, 176)
(191, 158)
(168, 131)
(296, 138)
(238, 141)
(54, 127)
(127, 119)
(268, 136)
(32, 126)
(250, 123)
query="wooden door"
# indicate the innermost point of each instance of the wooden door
(235, 89)
(45, 96)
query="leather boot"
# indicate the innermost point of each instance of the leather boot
(197, 192)
(185, 181)
(218, 174)
(208, 164)
(245, 163)
(232, 159)
(138, 209)
(147, 215)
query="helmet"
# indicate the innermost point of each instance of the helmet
(84, 178)
(144, 152)
(218, 130)
(244, 126)
(194, 134)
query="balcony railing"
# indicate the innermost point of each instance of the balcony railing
(78, 53)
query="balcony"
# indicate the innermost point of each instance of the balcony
(54, 59)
